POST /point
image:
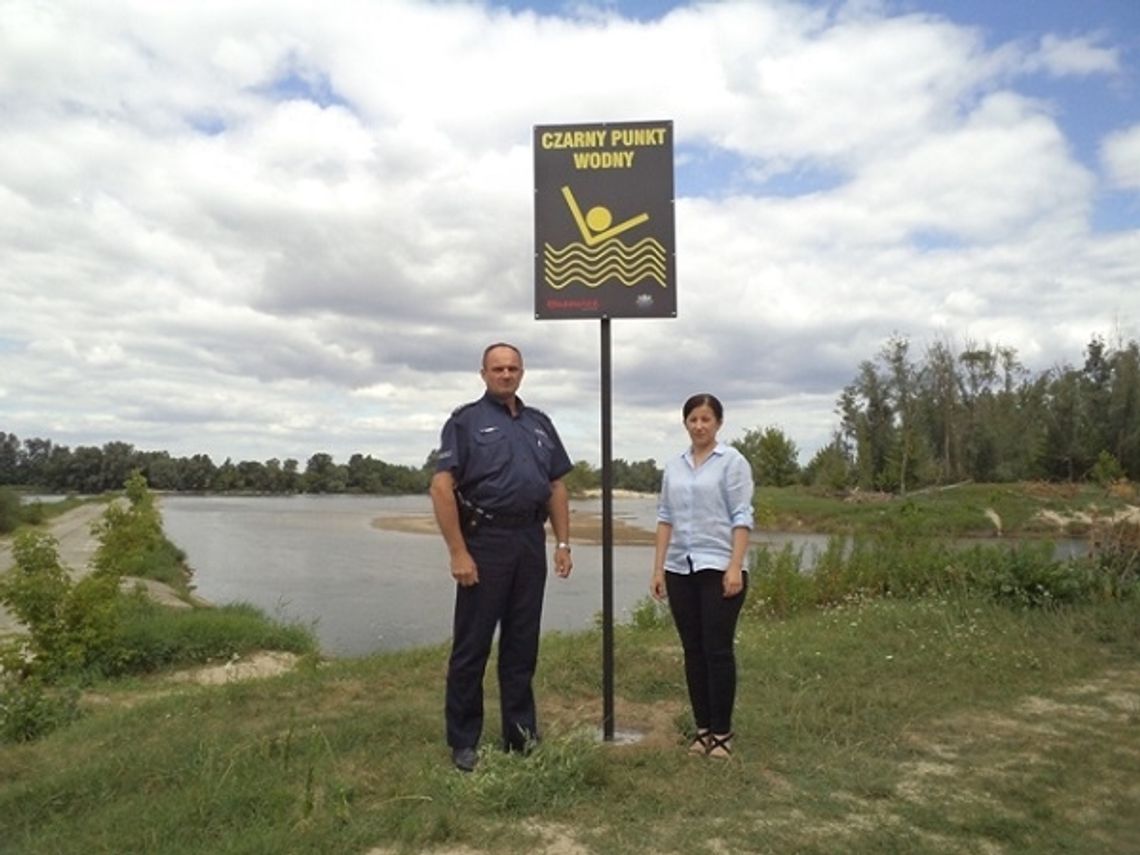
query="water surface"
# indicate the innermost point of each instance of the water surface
(319, 560)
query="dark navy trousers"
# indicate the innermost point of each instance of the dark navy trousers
(512, 581)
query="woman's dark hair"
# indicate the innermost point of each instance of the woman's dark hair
(704, 400)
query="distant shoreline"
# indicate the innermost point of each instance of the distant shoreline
(585, 528)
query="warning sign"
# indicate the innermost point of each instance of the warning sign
(603, 221)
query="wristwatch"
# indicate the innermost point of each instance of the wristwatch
(563, 545)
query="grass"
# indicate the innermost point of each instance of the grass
(934, 725)
(153, 637)
(958, 511)
(15, 516)
(905, 696)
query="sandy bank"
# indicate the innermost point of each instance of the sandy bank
(585, 528)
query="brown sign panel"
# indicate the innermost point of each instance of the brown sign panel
(603, 221)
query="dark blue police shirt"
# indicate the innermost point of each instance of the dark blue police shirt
(502, 462)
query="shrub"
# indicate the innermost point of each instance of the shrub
(28, 710)
(9, 510)
(647, 613)
(70, 624)
(1115, 558)
(132, 542)
(902, 565)
(1106, 470)
(152, 637)
(777, 585)
(1029, 576)
(128, 532)
(33, 513)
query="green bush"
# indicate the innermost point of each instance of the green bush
(905, 565)
(647, 613)
(70, 624)
(33, 513)
(29, 710)
(1106, 470)
(1029, 576)
(10, 515)
(153, 637)
(126, 532)
(132, 542)
(777, 584)
(1115, 559)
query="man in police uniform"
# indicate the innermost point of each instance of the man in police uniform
(498, 478)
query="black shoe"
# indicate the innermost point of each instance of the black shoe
(464, 759)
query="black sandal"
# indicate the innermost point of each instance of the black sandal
(722, 744)
(700, 743)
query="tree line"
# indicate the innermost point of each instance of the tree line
(979, 414)
(42, 464)
(949, 415)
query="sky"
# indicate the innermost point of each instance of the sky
(270, 229)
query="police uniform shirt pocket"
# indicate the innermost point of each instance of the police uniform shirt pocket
(492, 448)
(543, 447)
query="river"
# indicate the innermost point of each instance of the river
(319, 560)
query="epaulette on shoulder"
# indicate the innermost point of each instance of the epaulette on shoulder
(540, 413)
(462, 407)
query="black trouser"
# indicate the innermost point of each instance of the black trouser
(512, 580)
(706, 622)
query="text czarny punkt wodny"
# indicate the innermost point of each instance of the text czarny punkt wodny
(620, 145)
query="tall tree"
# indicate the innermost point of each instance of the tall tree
(323, 475)
(903, 386)
(830, 467)
(1063, 448)
(940, 400)
(773, 456)
(1124, 408)
(36, 461)
(9, 458)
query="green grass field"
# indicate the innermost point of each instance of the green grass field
(905, 696)
(936, 725)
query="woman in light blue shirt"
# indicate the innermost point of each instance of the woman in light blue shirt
(704, 517)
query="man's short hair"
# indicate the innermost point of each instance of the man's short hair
(487, 351)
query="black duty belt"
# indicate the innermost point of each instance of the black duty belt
(475, 517)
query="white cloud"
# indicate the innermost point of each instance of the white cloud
(1083, 55)
(1121, 156)
(270, 229)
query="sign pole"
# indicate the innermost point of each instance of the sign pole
(607, 543)
(604, 248)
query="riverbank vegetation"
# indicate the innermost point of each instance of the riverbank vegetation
(15, 513)
(1031, 509)
(99, 623)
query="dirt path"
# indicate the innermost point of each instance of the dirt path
(76, 548)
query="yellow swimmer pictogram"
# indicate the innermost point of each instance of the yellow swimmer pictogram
(596, 226)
